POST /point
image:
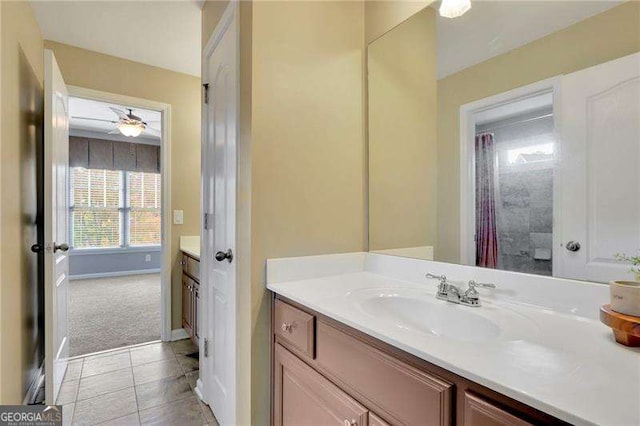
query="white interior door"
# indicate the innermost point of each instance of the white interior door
(56, 210)
(219, 232)
(600, 169)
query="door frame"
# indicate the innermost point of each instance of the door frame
(467, 161)
(165, 168)
(230, 15)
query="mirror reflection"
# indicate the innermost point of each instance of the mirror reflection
(509, 137)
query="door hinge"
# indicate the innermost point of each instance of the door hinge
(206, 347)
(206, 92)
(208, 220)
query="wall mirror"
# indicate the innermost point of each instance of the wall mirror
(509, 137)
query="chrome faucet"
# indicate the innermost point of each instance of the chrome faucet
(452, 293)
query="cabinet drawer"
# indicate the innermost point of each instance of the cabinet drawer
(304, 397)
(398, 392)
(480, 412)
(294, 327)
(193, 268)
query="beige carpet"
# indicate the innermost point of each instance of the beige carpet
(108, 313)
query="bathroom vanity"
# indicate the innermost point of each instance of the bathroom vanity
(322, 369)
(361, 339)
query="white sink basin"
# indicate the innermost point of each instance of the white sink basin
(420, 312)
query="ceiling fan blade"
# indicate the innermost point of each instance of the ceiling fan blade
(152, 131)
(95, 119)
(121, 114)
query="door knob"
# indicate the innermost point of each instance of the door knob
(61, 247)
(221, 255)
(573, 246)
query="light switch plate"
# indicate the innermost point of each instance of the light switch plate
(178, 217)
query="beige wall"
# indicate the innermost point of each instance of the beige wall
(383, 15)
(21, 58)
(609, 35)
(402, 135)
(96, 71)
(308, 147)
(211, 13)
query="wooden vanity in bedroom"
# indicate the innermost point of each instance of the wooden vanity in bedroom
(325, 372)
(190, 294)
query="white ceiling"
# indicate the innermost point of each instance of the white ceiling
(164, 34)
(90, 109)
(492, 28)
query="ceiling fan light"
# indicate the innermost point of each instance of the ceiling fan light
(130, 129)
(454, 8)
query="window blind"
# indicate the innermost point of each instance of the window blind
(96, 208)
(114, 208)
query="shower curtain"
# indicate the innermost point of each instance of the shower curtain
(486, 227)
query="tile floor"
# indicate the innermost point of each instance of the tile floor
(151, 384)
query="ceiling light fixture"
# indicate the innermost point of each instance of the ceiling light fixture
(130, 129)
(454, 8)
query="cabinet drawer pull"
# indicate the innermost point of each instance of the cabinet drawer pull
(351, 422)
(287, 327)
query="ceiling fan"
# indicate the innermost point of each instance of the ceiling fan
(128, 124)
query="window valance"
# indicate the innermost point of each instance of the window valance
(104, 154)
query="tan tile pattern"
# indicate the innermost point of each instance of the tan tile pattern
(104, 364)
(104, 383)
(151, 384)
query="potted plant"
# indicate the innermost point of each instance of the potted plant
(634, 260)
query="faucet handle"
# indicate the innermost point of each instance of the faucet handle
(442, 278)
(474, 284)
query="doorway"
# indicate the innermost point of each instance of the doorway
(514, 167)
(119, 288)
(509, 180)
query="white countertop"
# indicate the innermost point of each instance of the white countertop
(190, 245)
(567, 364)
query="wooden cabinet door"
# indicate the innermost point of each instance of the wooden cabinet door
(187, 311)
(397, 391)
(196, 303)
(304, 397)
(374, 420)
(479, 412)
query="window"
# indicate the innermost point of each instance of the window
(112, 209)
(144, 204)
(96, 203)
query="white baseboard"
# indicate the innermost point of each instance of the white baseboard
(198, 390)
(114, 274)
(178, 334)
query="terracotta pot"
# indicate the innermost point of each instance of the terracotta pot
(625, 297)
